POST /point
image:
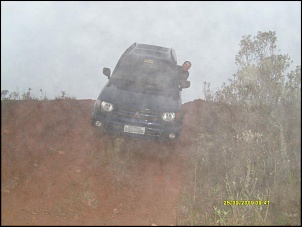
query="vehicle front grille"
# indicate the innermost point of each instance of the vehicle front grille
(144, 115)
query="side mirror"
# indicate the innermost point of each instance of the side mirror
(106, 72)
(185, 84)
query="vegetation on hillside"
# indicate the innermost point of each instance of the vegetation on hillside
(249, 172)
(16, 95)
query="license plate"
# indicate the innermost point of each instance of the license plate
(134, 129)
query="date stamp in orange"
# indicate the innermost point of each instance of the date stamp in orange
(245, 202)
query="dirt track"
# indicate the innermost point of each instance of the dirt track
(56, 171)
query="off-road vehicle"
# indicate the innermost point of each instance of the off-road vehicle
(143, 95)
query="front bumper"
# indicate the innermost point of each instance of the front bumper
(160, 131)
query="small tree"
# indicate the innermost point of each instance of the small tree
(261, 78)
(262, 82)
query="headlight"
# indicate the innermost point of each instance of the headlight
(106, 106)
(168, 117)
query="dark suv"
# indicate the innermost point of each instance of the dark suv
(143, 95)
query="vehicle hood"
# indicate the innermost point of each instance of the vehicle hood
(139, 99)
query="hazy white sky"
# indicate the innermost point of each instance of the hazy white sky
(63, 46)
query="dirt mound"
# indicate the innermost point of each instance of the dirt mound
(56, 171)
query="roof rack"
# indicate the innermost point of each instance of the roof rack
(152, 51)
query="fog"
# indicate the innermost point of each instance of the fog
(63, 46)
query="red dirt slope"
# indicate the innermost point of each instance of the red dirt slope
(55, 171)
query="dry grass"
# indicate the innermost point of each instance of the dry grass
(247, 166)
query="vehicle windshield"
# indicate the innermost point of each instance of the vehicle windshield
(158, 74)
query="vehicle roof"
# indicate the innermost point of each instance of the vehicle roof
(157, 52)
